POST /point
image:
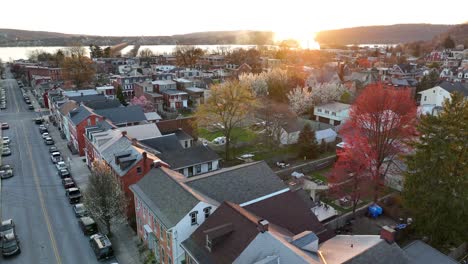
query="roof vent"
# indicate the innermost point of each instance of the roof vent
(263, 225)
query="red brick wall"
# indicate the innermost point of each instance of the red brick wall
(80, 131)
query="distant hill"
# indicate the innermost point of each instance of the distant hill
(15, 37)
(392, 34)
(459, 33)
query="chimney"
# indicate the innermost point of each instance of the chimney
(81, 94)
(124, 133)
(388, 234)
(262, 225)
(135, 142)
(145, 159)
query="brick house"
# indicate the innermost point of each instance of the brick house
(129, 163)
(148, 90)
(55, 74)
(78, 119)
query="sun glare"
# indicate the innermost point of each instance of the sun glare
(305, 39)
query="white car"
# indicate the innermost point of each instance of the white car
(45, 135)
(6, 140)
(220, 140)
(61, 165)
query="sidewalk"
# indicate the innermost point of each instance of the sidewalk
(124, 239)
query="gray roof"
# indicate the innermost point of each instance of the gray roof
(164, 143)
(123, 144)
(87, 98)
(182, 158)
(421, 253)
(455, 87)
(103, 104)
(79, 114)
(164, 196)
(181, 135)
(119, 115)
(382, 253)
(238, 184)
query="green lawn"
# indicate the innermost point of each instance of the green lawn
(238, 134)
(321, 174)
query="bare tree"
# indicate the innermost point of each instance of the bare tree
(187, 56)
(104, 196)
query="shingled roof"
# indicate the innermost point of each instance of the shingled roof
(239, 184)
(165, 196)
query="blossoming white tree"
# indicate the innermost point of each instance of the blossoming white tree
(302, 99)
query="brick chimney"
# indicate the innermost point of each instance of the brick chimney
(124, 133)
(135, 142)
(388, 234)
(262, 225)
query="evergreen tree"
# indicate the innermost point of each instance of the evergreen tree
(120, 95)
(449, 43)
(307, 143)
(436, 183)
(428, 81)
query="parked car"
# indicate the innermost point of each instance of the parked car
(31, 107)
(6, 171)
(64, 173)
(7, 227)
(6, 151)
(56, 157)
(5, 126)
(68, 183)
(43, 129)
(10, 245)
(101, 246)
(53, 149)
(3, 106)
(44, 135)
(80, 210)
(73, 195)
(38, 120)
(49, 141)
(6, 140)
(60, 165)
(88, 225)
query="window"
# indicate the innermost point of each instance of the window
(210, 166)
(319, 110)
(425, 98)
(198, 168)
(207, 212)
(139, 170)
(186, 143)
(333, 113)
(162, 255)
(169, 260)
(433, 91)
(96, 120)
(193, 217)
(168, 237)
(89, 121)
(181, 171)
(327, 112)
(161, 232)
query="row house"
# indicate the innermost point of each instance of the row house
(170, 207)
(127, 83)
(124, 116)
(78, 119)
(211, 61)
(108, 91)
(162, 68)
(182, 155)
(405, 71)
(175, 99)
(462, 76)
(129, 163)
(55, 74)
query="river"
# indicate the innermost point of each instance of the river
(16, 53)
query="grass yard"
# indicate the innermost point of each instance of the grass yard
(238, 134)
(321, 174)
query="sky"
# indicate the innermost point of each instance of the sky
(289, 19)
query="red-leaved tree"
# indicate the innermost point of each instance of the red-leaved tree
(381, 122)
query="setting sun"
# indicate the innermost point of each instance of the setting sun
(305, 39)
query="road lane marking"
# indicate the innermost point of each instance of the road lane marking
(41, 199)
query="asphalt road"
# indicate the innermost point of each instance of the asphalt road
(34, 198)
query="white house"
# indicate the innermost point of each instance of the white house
(334, 113)
(434, 97)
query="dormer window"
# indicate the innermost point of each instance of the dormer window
(207, 212)
(193, 218)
